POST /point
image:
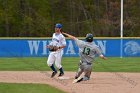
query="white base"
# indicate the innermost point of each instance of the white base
(63, 78)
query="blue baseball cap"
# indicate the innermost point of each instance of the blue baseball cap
(58, 25)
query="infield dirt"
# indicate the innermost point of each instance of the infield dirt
(100, 82)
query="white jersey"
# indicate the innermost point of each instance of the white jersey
(58, 40)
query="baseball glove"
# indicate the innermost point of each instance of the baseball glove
(53, 48)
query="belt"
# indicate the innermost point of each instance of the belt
(86, 63)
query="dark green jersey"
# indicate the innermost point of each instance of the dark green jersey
(87, 51)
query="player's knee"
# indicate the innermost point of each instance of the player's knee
(85, 78)
(49, 64)
(58, 66)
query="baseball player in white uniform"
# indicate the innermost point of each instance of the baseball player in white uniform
(55, 56)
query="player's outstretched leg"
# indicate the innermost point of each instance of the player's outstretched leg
(78, 73)
(79, 79)
(78, 76)
(61, 72)
(54, 71)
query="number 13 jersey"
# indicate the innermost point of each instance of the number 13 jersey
(87, 50)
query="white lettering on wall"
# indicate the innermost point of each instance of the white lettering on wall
(102, 45)
(44, 48)
(70, 49)
(33, 45)
(36, 45)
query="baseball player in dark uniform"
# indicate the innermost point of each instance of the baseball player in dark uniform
(87, 53)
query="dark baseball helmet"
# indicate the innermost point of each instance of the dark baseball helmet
(89, 37)
(58, 25)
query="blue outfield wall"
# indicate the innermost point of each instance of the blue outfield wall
(37, 47)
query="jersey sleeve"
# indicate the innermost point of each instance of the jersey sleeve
(63, 41)
(98, 51)
(79, 43)
(53, 36)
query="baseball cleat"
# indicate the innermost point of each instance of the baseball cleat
(77, 80)
(61, 74)
(53, 74)
(76, 77)
(74, 81)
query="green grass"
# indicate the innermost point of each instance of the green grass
(113, 64)
(27, 88)
(128, 64)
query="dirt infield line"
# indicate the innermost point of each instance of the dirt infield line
(100, 82)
